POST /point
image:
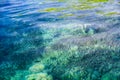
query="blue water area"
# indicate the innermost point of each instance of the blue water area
(30, 28)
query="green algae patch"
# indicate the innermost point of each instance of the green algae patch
(79, 5)
(112, 13)
(83, 6)
(60, 0)
(108, 13)
(75, 5)
(97, 1)
(66, 15)
(52, 9)
(84, 1)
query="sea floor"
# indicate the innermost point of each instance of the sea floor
(59, 40)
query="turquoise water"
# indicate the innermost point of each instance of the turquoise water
(59, 40)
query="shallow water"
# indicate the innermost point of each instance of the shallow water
(28, 27)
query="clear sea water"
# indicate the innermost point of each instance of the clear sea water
(27, 27)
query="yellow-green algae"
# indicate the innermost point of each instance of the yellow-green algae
(82, 0)
(83, 6)
(107, 13)
(97, 0)
(112, 13)
(66, 15)
(52, 9)
(75, 5)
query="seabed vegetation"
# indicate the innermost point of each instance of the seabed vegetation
(45, 40)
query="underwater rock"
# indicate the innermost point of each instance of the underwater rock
(37, 68)
(39, 76)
